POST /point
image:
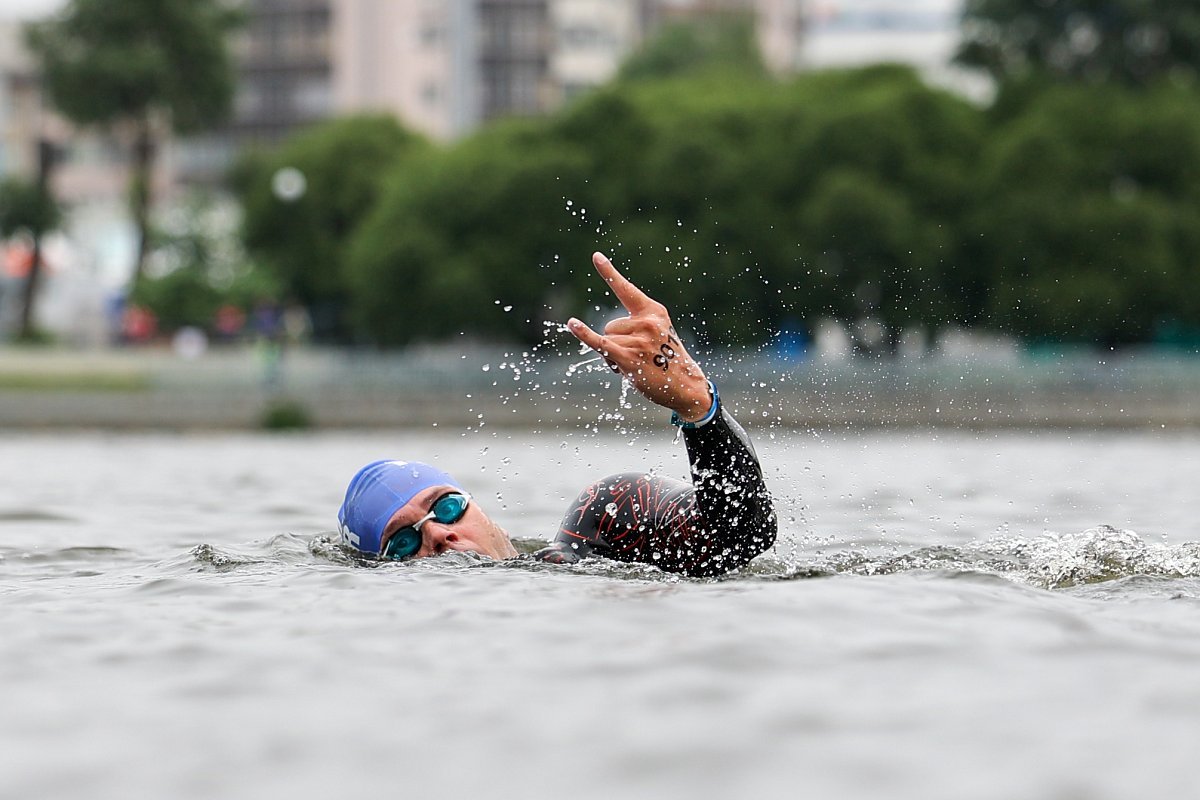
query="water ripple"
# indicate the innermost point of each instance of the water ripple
(33, 515)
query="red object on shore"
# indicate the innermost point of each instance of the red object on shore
(138, 324)
(18, 260)
(230, 320)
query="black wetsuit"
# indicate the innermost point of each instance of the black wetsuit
(715, 525)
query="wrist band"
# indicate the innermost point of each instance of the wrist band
(707, 418)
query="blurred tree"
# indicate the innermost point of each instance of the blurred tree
(197, 266)
(729, 196)
(137, 66)
(470, 239)
(182, 297)
(724, 42)
(877, 177)
(1132, 41)
(1088, 214)
(29, 207)
(25, 206)
(304, 202)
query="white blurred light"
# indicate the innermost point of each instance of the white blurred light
(289, 184)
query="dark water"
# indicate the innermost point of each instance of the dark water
(947, 615)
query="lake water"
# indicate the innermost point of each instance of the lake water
(945, 617)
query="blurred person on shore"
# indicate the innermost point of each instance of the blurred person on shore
(229, 322)
(267, 323)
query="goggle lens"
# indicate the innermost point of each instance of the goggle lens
(450, 508)
(405, 542)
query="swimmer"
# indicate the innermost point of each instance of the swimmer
(399, 510)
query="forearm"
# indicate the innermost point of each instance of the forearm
(731, 494)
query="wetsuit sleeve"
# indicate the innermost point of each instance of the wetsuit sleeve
(716, 524)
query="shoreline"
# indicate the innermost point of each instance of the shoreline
(471, 388)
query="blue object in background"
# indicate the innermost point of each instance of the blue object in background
(792, 344)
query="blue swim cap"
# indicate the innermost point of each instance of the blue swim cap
(378, 491)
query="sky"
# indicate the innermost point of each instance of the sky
(27, 9)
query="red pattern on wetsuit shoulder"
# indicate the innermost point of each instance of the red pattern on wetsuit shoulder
(619, 516)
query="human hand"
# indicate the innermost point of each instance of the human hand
(644, 347)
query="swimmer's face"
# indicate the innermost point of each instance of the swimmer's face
(474, 532)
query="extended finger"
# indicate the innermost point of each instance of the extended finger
(589, 337)
(633, 298)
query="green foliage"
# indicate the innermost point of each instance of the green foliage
(1089, 232)
(457, 233)
(719, 42)
(24, 206)
(302, 234)
(734, 198)
(285, 415)
(179, 298)
(1131, 41)
(882, 178)
(104, 62)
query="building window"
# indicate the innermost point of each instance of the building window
(313, 97)
(515, 30)
(524, 88)
(586, 37)
(573, 89)
(431, 35)
(248, 101)
(431, 94)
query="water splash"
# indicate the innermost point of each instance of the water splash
(1052, 561)
(573, 368)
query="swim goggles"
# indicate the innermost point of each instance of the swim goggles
(405, 542)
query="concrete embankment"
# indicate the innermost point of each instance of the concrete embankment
(154, 389)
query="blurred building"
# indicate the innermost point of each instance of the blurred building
(590, 40)
(285, 61)
(19, 104)
(407, 57)
(284, 57)
(513, 57)
(444, 66)
(923, 33)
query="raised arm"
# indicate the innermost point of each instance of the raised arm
(716, 524)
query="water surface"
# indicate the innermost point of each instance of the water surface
(946, 615)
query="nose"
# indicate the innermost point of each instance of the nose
(441, 537)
